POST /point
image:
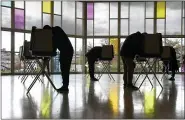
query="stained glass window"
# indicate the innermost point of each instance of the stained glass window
(47, 7)
(90, 11)
(114, 42)
(161, 9)
(19, 19)
(7, 3)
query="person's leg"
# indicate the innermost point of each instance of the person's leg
(65, 64)
(130, 68)
(125, 72)
(173, 75)
(91, 63)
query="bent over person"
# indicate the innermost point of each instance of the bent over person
(63, 44)
(92, 56)
(131, 47)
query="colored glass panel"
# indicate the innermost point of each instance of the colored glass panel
(7, 3)
(47, 7)
(19, 19)
(114, 42)
(90, 11)
(161, 9)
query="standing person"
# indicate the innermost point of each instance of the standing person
(63, 44)
(131, 47)
(173, 65)
(92, 56)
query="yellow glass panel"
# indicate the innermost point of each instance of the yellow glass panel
(149, 100)
(47, 7)
(113, 96)
(161, 9)
(114, 42)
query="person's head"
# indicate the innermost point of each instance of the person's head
(47, 27)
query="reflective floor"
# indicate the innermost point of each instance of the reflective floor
(91, 100)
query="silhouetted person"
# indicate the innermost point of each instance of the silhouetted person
(92, 56)
(172, 65)
(63, 44)
(131, 47)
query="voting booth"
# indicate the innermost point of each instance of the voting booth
(41, 47)
(152, 50)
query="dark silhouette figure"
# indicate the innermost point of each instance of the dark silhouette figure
(131, 47)
(92, 56)
(63, 44)
(172, 64)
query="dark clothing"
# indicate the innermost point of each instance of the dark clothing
(92, 56)
(172, 64)
(129, 66)
(62, 42)
(132, 45)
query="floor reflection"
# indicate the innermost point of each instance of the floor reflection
(91, 100)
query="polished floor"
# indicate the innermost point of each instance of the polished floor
(92, 100)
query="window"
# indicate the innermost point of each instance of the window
(33, 14)
(19, 4)
(124, 9)
(124, 26)
(114, 64)
(114, 27)
(79, 10)
(113, 10)
(68, 17)
(46, 19)
(8, 4)
(6, 17)
(136, 17)
(19, 19)
(19, 39)
(47, 7)
(57, 7)
(89, 27)
(5, 52)
(73, 60)
(160, 26)
(79, 27)
(27, 36)
(90, 11)
(57, 20)
(149, 26)
(79, 55)
(6, 41)
(149, 9)
(173, 18)
(89, 44)
(101, 19)
(177, 44)
(161, 9)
